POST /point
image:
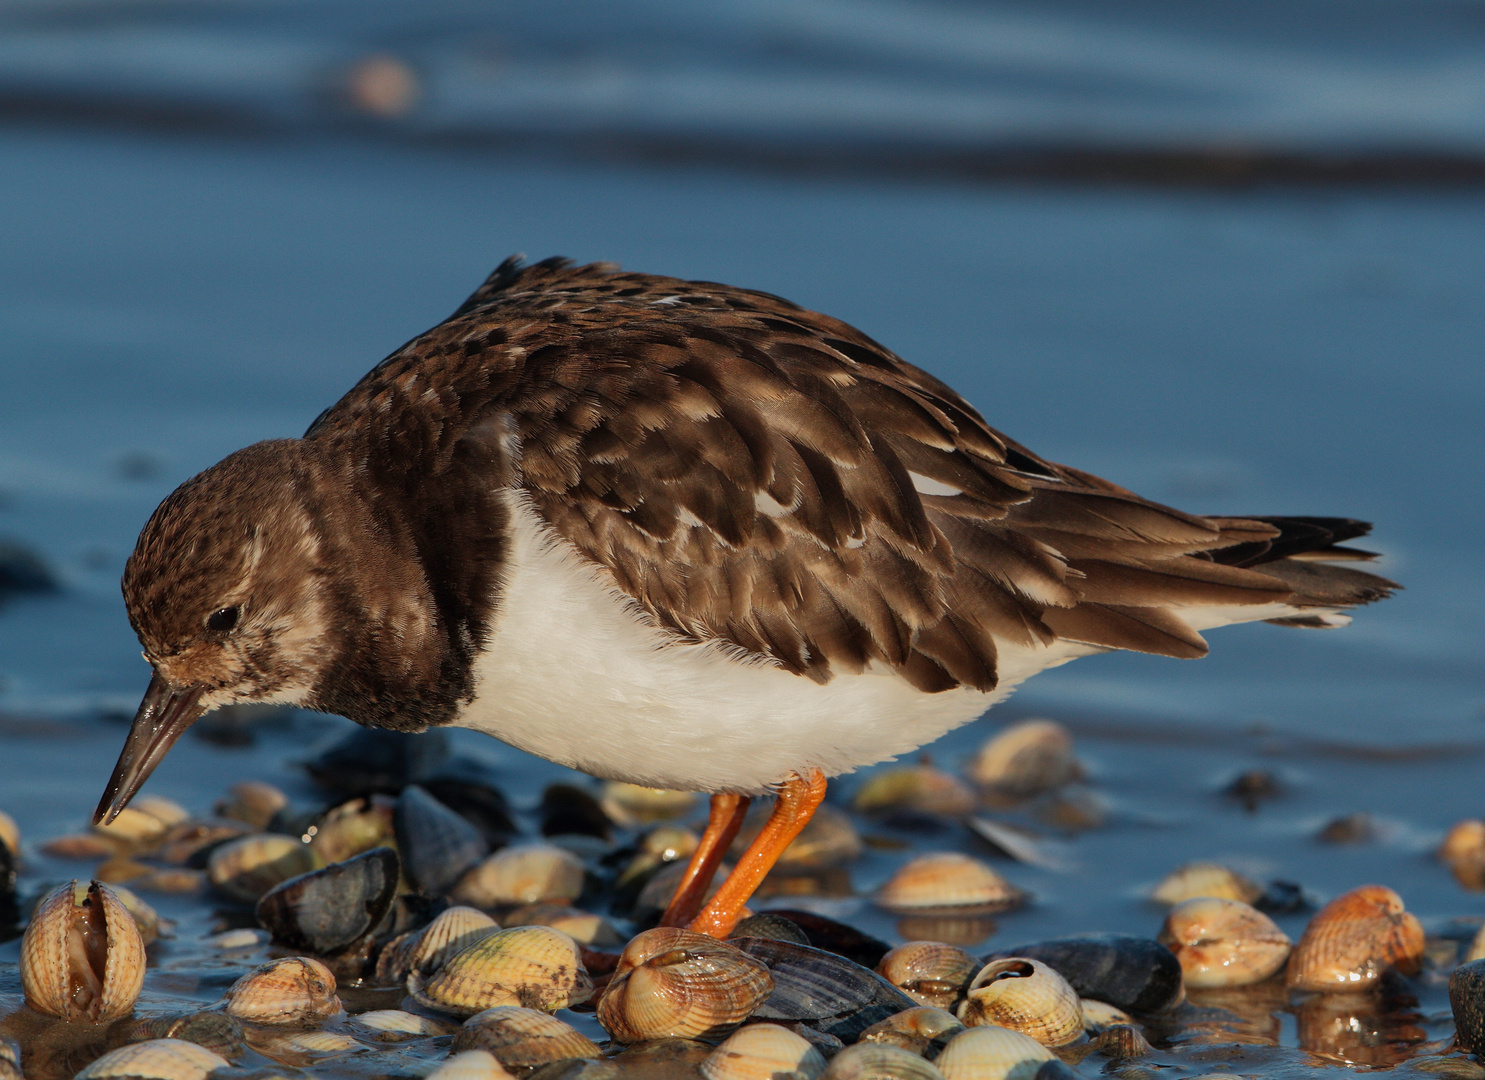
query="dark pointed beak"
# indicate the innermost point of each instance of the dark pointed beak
(163, 717)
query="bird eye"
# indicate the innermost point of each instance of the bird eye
(222, 619)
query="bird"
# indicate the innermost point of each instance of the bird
(680, 534)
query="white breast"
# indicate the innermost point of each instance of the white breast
(575, 673)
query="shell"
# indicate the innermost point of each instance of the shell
(82, 957)
(426, 950)
(920, 789)
(1223, 942)
(146, 918)
(630, 805)
(10, 833)
(763, 1052)
(923, 1031)
(1122, 1041)
(1026, 996)
(471, 1065)
(394, 1025)
(929, 972)
(1467, 1000)
(829, 839)
(522, 874)
(183, 843)
(947, 882)
(874, 1061)
(10, 1059)
(522, 1038)
(1353, 939)
(353, 827)
(252, 801)
(167, 812)
(1463, 850)
(1098, 1015)
(134, 828)
(533, 966)
(672, 982)
(246, 868)
(1134, 973)
(157, 1059)
(992, 1053)
(218, 1032)
(329, 910)
(832, 994)
(312, 1043)
(438, 846)
(1025, 759)
(1205, 879)
(584, 927)
(296, 990)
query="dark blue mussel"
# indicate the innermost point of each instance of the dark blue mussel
(438, 846)
(1132, 973)
(825, 991)
(327, 911)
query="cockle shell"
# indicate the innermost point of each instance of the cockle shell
(1026, 759)
(394, 1025)
(763, 1052)
(133, 828)
(218, 1032)
(156, 1059)
(82, 957)
(1122, 1041)
(296, 990)
(246, 868)
(1223, 942)
(992, 1053)
(947, 882)
(1205, 879)
(1026, 996)
(471, 1065)
(1353, 939)
(426, 950)
(522, 1038)
(922, 1031)
(929, 972)
(532, 966)
(522, 874)
(875, 1061)
(672, 982)
(1463, 850)
(1098, 1015)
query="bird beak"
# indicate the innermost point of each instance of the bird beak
(163, 717)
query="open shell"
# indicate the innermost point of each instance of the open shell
(1223, 942)
(156, 1059)
(1026, 996)
(531, 966)
(296, 990)
(764, 1052)
(523, 1038)
(82, 957)
(1353, 939)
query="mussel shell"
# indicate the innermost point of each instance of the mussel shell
(770, 925)
(826, 991)
(98, 930)
(568, 810)
(327, 910)
(1133, 973)
(837, 937)
(1467, 1000)
(522, 1038)
(157, 1059)
(876, 1061)
(371, 760)
(992, 1053)
(763, 1052)
(438, 846)
(468, 789)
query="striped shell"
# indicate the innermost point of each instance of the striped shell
(1353, 939)
(82, 957)
(1223, 942)
(763, 1052)
(929, 972)
(672, 982)
(992, 1053)
(523, 1038)
(296, 990)
(1025, 759)
(1098, 1015)
(157, 1059)
(428, 949)
(874, 1061)
(1205, 879)
(947, 882)
(471, 1065)
(1026, 996)
(532, 966)
(923, 1030)
(522, 874)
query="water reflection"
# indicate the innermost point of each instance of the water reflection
(1377, 1029)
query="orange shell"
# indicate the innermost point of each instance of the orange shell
(1353, 939)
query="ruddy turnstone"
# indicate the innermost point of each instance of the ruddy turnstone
(680, 534)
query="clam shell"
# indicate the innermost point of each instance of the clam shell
(218, 1032)
(10, 1059)
(146, 918)
(1134, 973)
(874, 1061)
(438, 846)
(394, 1025)
(929, 972)
(426, 950)
(133, 828)
(992, 1053)
(672, 982)
(246, 868)
(923, 1030)
(947, 882)
(1026, 759)
(296, 990)
(1463, 850)
(522, 874)
(157, 1059)
(763, 1052)
(1205, 879)
(523, 1038)
(584, 927)
(82, 957)
(328, 910)
(919, 789)
(10, 833)
(532, 966)
(1353, 939)
(353, 827)
(1026, 996)
(630, 805)
(167, 812)
(253, 802)
(829, 839)
(1098, 1015)
(313, 1043)
(1223, 942)
(471, 1065)
(186, 841)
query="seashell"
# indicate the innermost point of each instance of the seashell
(1026, 996)
(426, 950)
(82, 846)
(353, 827)
(176, 882)
(584, 927)
(253, 802)
(10, 1059)
(246, 868)
(218, 1032)
(763, 1052)
(146, 918)
(1122, 1041)
(10, 833)
(929, 972)
(394, 1025)
(829, 839)
(1205, 879)
(245, 938)
(1467, 1000)
(1138, 974)
(1098, 1015)
(438, 845)
(829, 992)
(471, 1065)
(1353, 939)
(630, 804)
(1223, 942)
(328, 910)
(522, 1038)
(167, 812)
(296, 990)
(82, 957)
(672, 982)
(468, 788)
(947, 882)
(661, 886)
(992, 1053)
(134, 829)
(375, 759)
(1025, 759)
(923, 1031)
(919, 789)
(572, 811)
(1463, 850)
(875, 1061)
(657, 847)
(835, 937)
(532, 966)
(312, 1043)
(522, 874)
(157, 1059)
(190, 842)
(769, 925)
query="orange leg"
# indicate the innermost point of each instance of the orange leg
(722, 823)
(799, 796)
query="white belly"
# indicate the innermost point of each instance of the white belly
(574, 673)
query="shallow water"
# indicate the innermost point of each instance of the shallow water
(166, 302)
